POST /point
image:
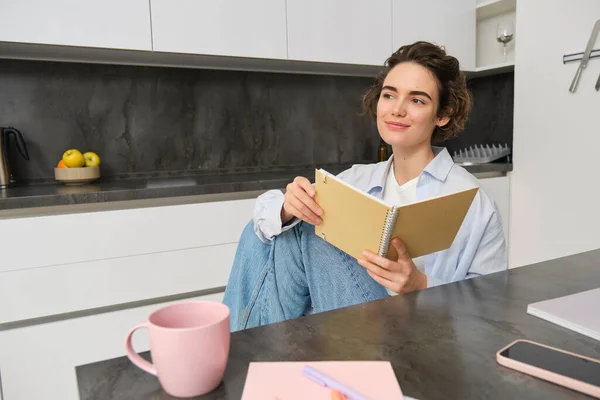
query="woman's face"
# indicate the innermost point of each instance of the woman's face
(407, 106)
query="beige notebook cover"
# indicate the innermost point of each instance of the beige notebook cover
(354, 221)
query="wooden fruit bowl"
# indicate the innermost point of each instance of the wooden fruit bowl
(76, 176)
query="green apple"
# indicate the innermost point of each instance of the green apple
(91, 159)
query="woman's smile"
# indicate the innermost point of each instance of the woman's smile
(396, 126)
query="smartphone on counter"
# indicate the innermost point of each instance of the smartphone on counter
(571, 370)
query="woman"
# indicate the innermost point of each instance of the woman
(281, 267)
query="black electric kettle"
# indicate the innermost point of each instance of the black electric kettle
(6, 178)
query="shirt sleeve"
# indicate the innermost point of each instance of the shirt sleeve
(267, 212)
(433, 281)
(491, 255)
(483, 250)
(267, 216)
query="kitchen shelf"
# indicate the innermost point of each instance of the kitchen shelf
(491, 70)
(495, 7)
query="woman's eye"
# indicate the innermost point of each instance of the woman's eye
(418, 101)
(387, 96)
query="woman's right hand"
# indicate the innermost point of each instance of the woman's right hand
(299, 202)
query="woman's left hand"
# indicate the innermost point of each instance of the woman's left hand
(401, 276)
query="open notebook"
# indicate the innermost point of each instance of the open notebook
(354, 220)
(577, 312)
(374, 380)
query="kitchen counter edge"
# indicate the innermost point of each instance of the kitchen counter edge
(150, 192)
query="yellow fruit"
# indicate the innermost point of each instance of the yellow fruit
(73, 158)
(91, 159)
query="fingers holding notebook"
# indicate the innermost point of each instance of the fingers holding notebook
(299, 202)
(400, 275)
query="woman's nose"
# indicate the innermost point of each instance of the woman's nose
(399, 108)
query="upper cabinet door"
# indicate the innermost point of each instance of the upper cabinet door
(225, 27)
(113, 24)
(340, 31)
(451, 23)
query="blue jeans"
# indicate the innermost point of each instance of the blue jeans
(278, 281)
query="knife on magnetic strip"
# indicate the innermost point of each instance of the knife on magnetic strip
(586, 56)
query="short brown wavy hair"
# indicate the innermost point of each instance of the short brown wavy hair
(454, 97)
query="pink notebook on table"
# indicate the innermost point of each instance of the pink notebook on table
(284, 380)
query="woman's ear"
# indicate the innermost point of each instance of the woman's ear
(443, 121)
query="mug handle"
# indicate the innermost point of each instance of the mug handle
(134, 356)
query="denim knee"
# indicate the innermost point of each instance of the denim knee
(247, 274)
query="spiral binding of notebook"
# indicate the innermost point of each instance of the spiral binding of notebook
(388, 230)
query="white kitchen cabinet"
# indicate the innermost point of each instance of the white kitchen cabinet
(90, 236)
(88, 260)
(498, 188)
(94, 259)
(39, 292)
(451, 23)
(339, 31)
(226, 27)
(93, 23)
(38, 362)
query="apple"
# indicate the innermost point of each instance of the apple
(73, 158)
(91, 159)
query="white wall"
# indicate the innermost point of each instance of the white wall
(555, 186)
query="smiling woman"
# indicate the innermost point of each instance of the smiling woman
(434, 80)
(282, 269)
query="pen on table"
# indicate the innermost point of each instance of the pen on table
(331, 383)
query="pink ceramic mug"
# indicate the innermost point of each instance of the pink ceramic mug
(189, 343)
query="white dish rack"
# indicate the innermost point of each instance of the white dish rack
(479, 154)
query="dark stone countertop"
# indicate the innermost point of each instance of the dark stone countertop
(168, 185)
(441, 342)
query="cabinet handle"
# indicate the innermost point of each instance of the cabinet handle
(1, 393)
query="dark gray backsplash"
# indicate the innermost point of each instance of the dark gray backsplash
(491, 118)
(147, 119)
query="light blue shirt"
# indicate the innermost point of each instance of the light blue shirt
(479, 247)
